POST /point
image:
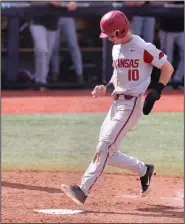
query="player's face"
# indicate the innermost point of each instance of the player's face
(114, 39)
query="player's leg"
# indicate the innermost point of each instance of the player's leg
(149, 29)
(69, 28)
(170, 41)
(121, 117)
(162, 36)
(123, 161)
(120, 160)
(75, 192)
(137, 25)
(39, 36)
(118, 122)
(51, 40)
(180, 69)
(55, 58)
(144, 171)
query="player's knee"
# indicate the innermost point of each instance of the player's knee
(102, 151)
(103, 146)
(181, 54)
(41, 52)
(74, 47)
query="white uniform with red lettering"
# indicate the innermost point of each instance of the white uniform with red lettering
(133, 63)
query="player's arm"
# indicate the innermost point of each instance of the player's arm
(158, 59)
(166, 73)
(110, 84)
(101, 90)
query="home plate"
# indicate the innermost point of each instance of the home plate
(59, 211)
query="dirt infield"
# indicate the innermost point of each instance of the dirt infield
(75, 101)
(22, 192)
(114, 199)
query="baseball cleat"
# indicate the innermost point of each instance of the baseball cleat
(75, 193)
(146, 180)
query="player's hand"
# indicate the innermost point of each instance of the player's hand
(150, 99)
(99, 91)
(72, 6)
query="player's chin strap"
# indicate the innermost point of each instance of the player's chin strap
(152, 96)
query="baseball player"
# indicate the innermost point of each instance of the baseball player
(171, 34)
(133, 61)
(67, 29)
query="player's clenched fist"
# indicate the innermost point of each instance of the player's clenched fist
(99, 91)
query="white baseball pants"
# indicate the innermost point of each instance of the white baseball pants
(122, 116)
(44, 41)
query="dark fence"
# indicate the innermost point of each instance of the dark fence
(17, 10)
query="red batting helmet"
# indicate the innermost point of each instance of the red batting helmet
(114, 21)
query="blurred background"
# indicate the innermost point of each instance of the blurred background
(56, 45)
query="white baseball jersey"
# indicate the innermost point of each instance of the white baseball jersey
(133, 63)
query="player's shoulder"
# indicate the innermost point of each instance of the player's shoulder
(143, 45)
(139, 42)
(150, 47)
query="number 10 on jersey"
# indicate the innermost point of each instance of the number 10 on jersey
(133, 74)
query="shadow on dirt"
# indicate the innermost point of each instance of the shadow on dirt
(162, 210)
(30, 187)
(154, 211)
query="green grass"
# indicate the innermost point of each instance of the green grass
(68, 141)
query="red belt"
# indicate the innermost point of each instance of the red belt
(127, 97)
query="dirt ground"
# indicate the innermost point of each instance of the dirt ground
(76, 101)
(115, 197)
